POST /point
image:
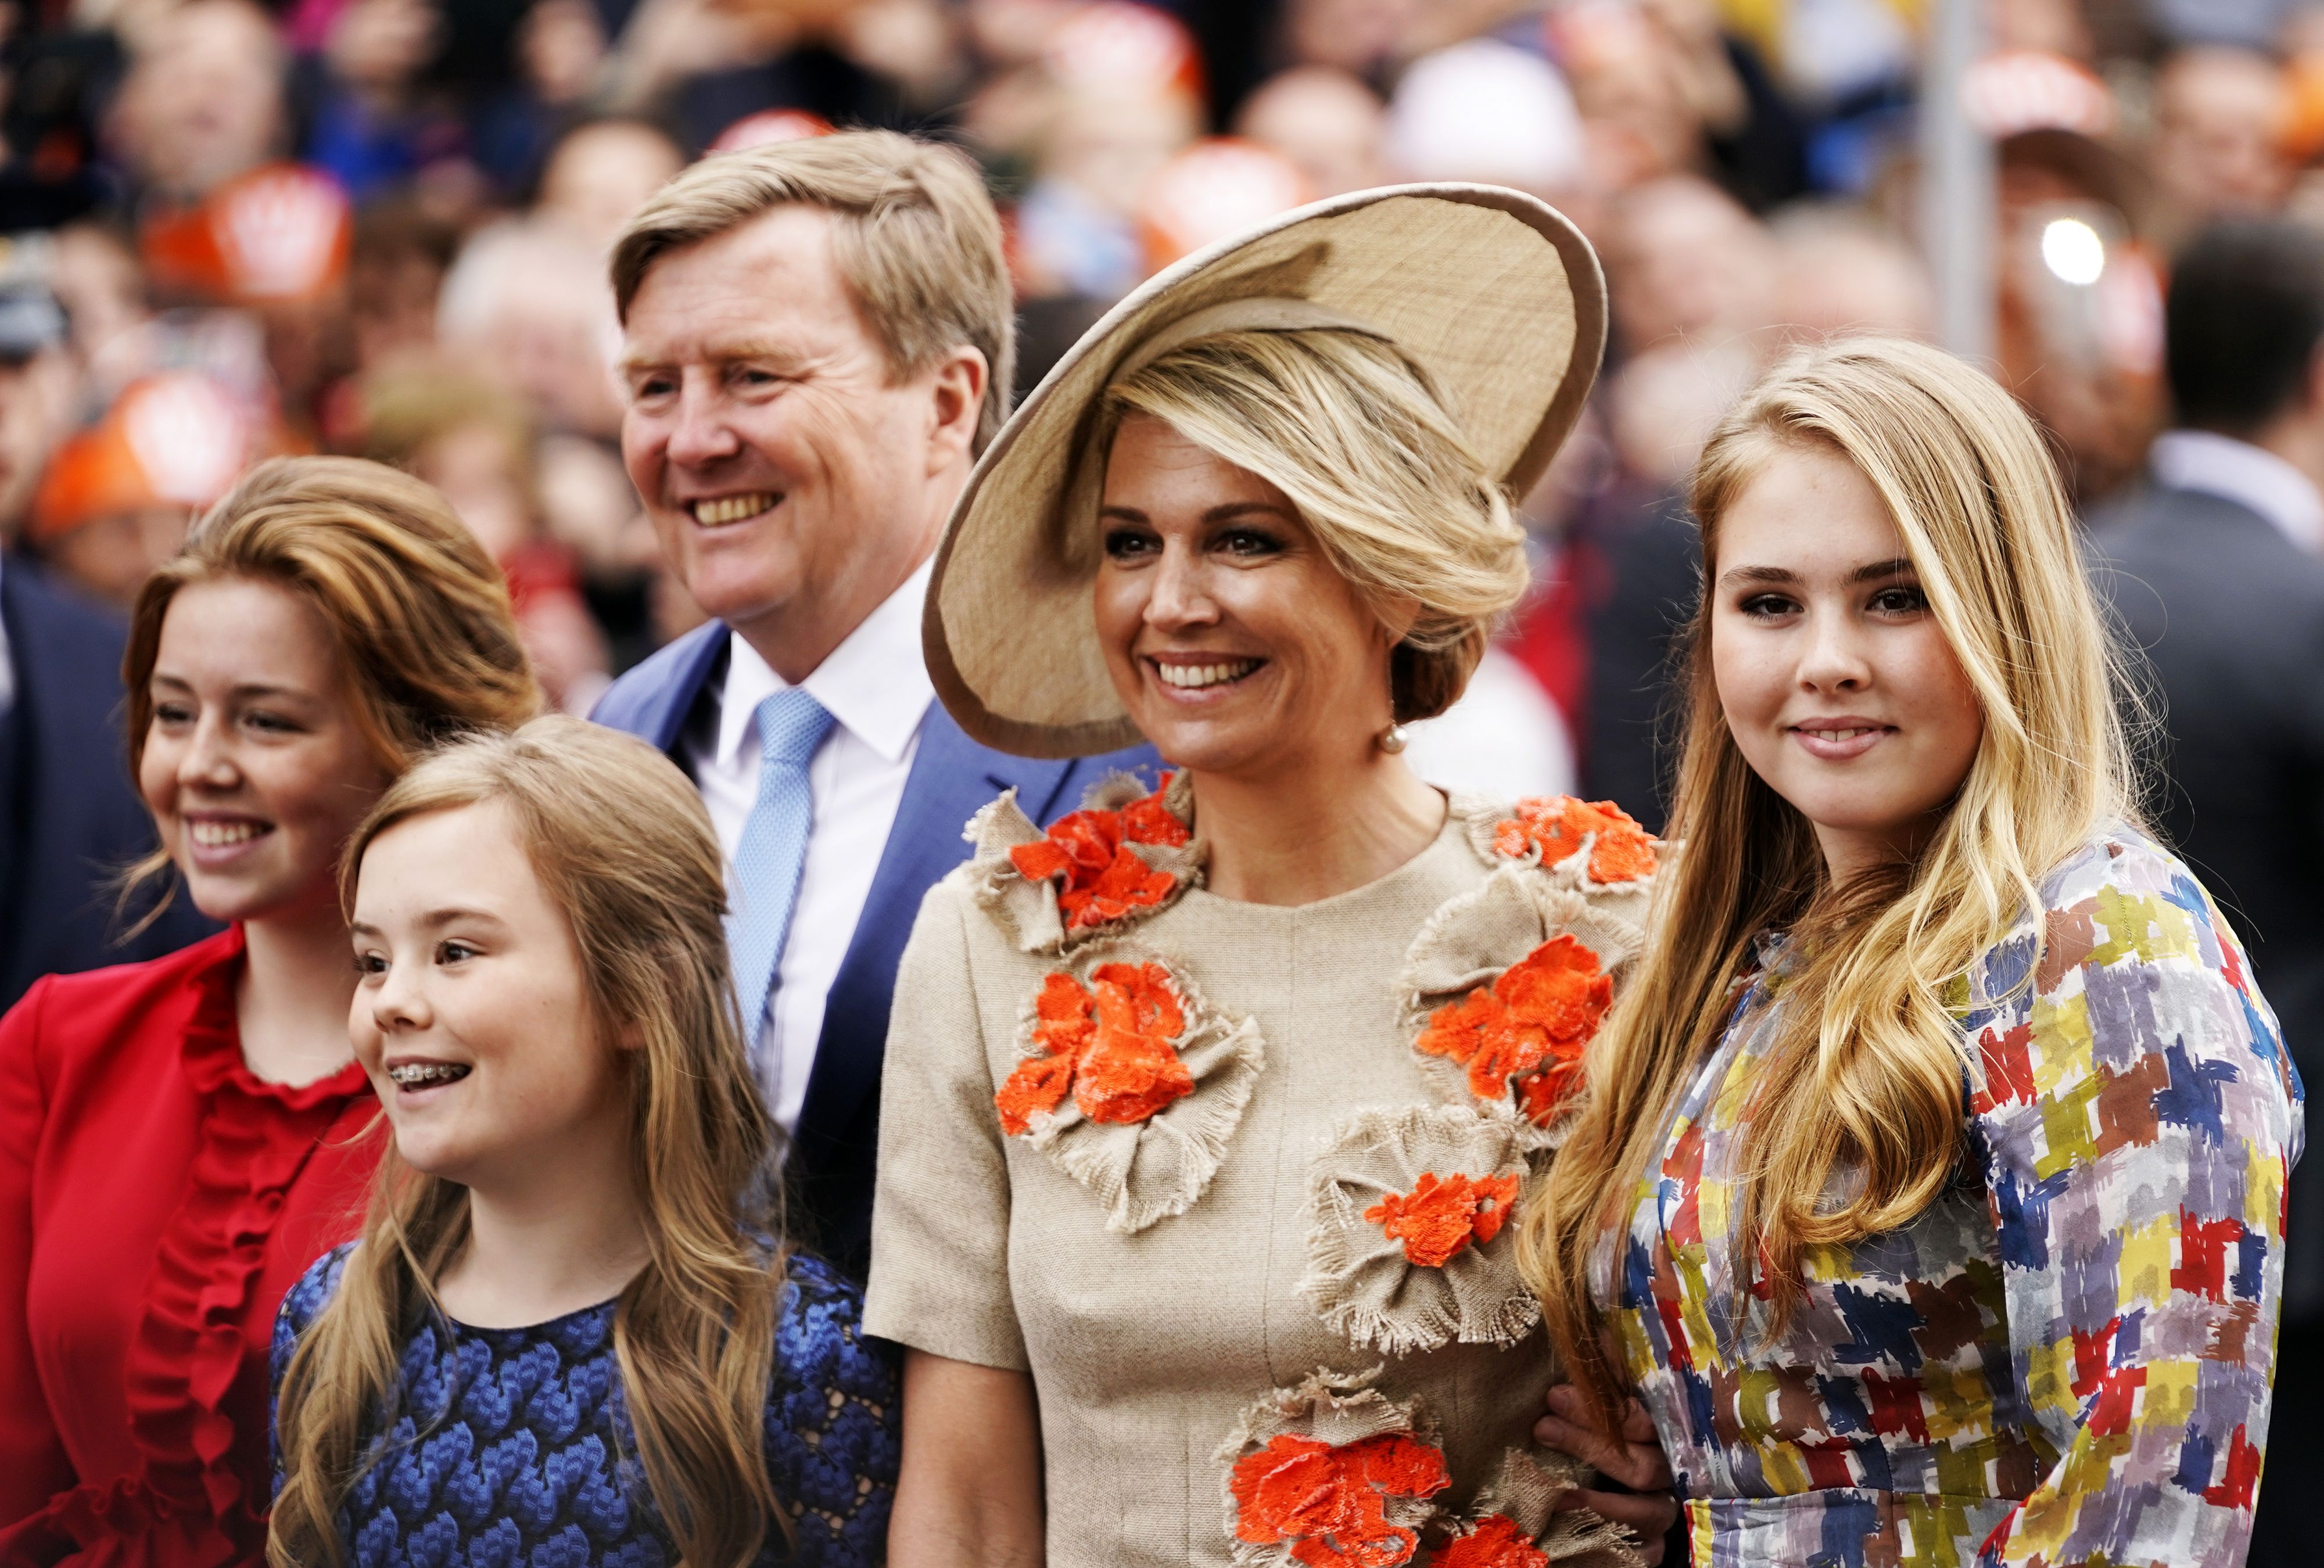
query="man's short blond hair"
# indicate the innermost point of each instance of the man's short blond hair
(913, 230)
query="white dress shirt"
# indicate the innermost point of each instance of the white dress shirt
(2246, 474)
(875, 686)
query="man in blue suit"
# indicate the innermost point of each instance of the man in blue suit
(69, 818)
(817, 343)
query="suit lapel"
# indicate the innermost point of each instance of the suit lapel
(952, 778)
(663, 720)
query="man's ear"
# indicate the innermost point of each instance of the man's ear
(955, 405)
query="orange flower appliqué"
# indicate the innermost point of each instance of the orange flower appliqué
(1495, 1542)
(1443, 1214)
(1330, 1503)
(1557, 824)
(1108, 1044)
(1528, 1028)
(1103, 880)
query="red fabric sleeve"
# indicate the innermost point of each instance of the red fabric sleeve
(34, 1467)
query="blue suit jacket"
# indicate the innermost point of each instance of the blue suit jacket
(69, 818)
(829, 1174)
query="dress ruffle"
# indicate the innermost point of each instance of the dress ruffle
(255, 1138)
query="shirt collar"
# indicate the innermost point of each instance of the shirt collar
(2248, 476)
(875, 683)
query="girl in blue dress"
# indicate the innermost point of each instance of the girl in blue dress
(568, 1333)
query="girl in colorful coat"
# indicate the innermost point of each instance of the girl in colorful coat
(1205, 1109)
(1931, 1175)
(569, 1331)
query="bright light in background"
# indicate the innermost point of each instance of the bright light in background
(2072, 250)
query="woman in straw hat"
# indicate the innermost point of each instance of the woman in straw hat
(1205, 1108)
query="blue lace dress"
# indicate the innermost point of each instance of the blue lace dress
(509, 1446)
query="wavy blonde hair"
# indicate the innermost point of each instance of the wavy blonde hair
(1359, 437)
(623, 845)
(1856, 1123)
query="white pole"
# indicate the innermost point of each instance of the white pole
(1956, 183)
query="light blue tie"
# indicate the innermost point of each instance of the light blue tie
(772, 851)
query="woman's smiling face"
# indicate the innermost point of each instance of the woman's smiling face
(1837, 682)
(255, 765)
(1234, 642)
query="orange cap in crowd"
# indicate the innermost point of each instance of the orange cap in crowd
(771, 125)
(1220, 185)
(173, 440)
(277, 234)
(1118, 46)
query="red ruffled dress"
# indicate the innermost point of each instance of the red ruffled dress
(156, 1201)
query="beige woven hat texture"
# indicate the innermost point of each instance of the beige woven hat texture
(1495, 292)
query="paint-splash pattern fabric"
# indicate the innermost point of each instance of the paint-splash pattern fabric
(2064, 1359)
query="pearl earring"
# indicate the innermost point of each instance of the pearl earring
(1393, 738)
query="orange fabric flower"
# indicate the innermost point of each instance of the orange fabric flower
(1443, 1214)
(1557, 823)
(1496, 1543)
(1528, 1028)
(1107, 1044)
(1103, 880)
(1330, 1503)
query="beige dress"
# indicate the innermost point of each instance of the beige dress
(1230, 1180)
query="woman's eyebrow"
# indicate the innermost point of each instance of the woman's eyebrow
(1878, 571)
(1777, 575)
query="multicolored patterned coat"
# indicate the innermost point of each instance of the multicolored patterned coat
(2066, 1359)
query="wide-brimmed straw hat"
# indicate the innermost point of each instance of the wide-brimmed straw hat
(1492, 291)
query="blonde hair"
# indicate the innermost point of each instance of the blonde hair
(1856, 1123)
(913, 230)
(1358, 436)
(623, 846)
(418, 615)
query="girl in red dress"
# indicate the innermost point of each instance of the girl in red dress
(178, 1139)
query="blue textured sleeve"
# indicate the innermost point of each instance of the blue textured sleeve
(302, 1303)
(835, 1423)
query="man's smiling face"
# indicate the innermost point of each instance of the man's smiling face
(777, 453)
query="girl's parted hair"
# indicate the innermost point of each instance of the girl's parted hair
(623, 846)
(418, 612)
(1359, 437)
(1856, 1123)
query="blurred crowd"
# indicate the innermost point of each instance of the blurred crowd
(379, 226)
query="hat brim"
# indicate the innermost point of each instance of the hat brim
(1494, 291)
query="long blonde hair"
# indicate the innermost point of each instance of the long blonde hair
(621, 843)
(1856, 1123)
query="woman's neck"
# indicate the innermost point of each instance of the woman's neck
(568, 1235)
(1305, 833)
(291, 1004)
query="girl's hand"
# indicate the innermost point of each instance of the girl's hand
(1635, 1465)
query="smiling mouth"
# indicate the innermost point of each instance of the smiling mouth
(719, 510)
(222, 834)
(1839, 735)
(1196, 677)
(426, 1074)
